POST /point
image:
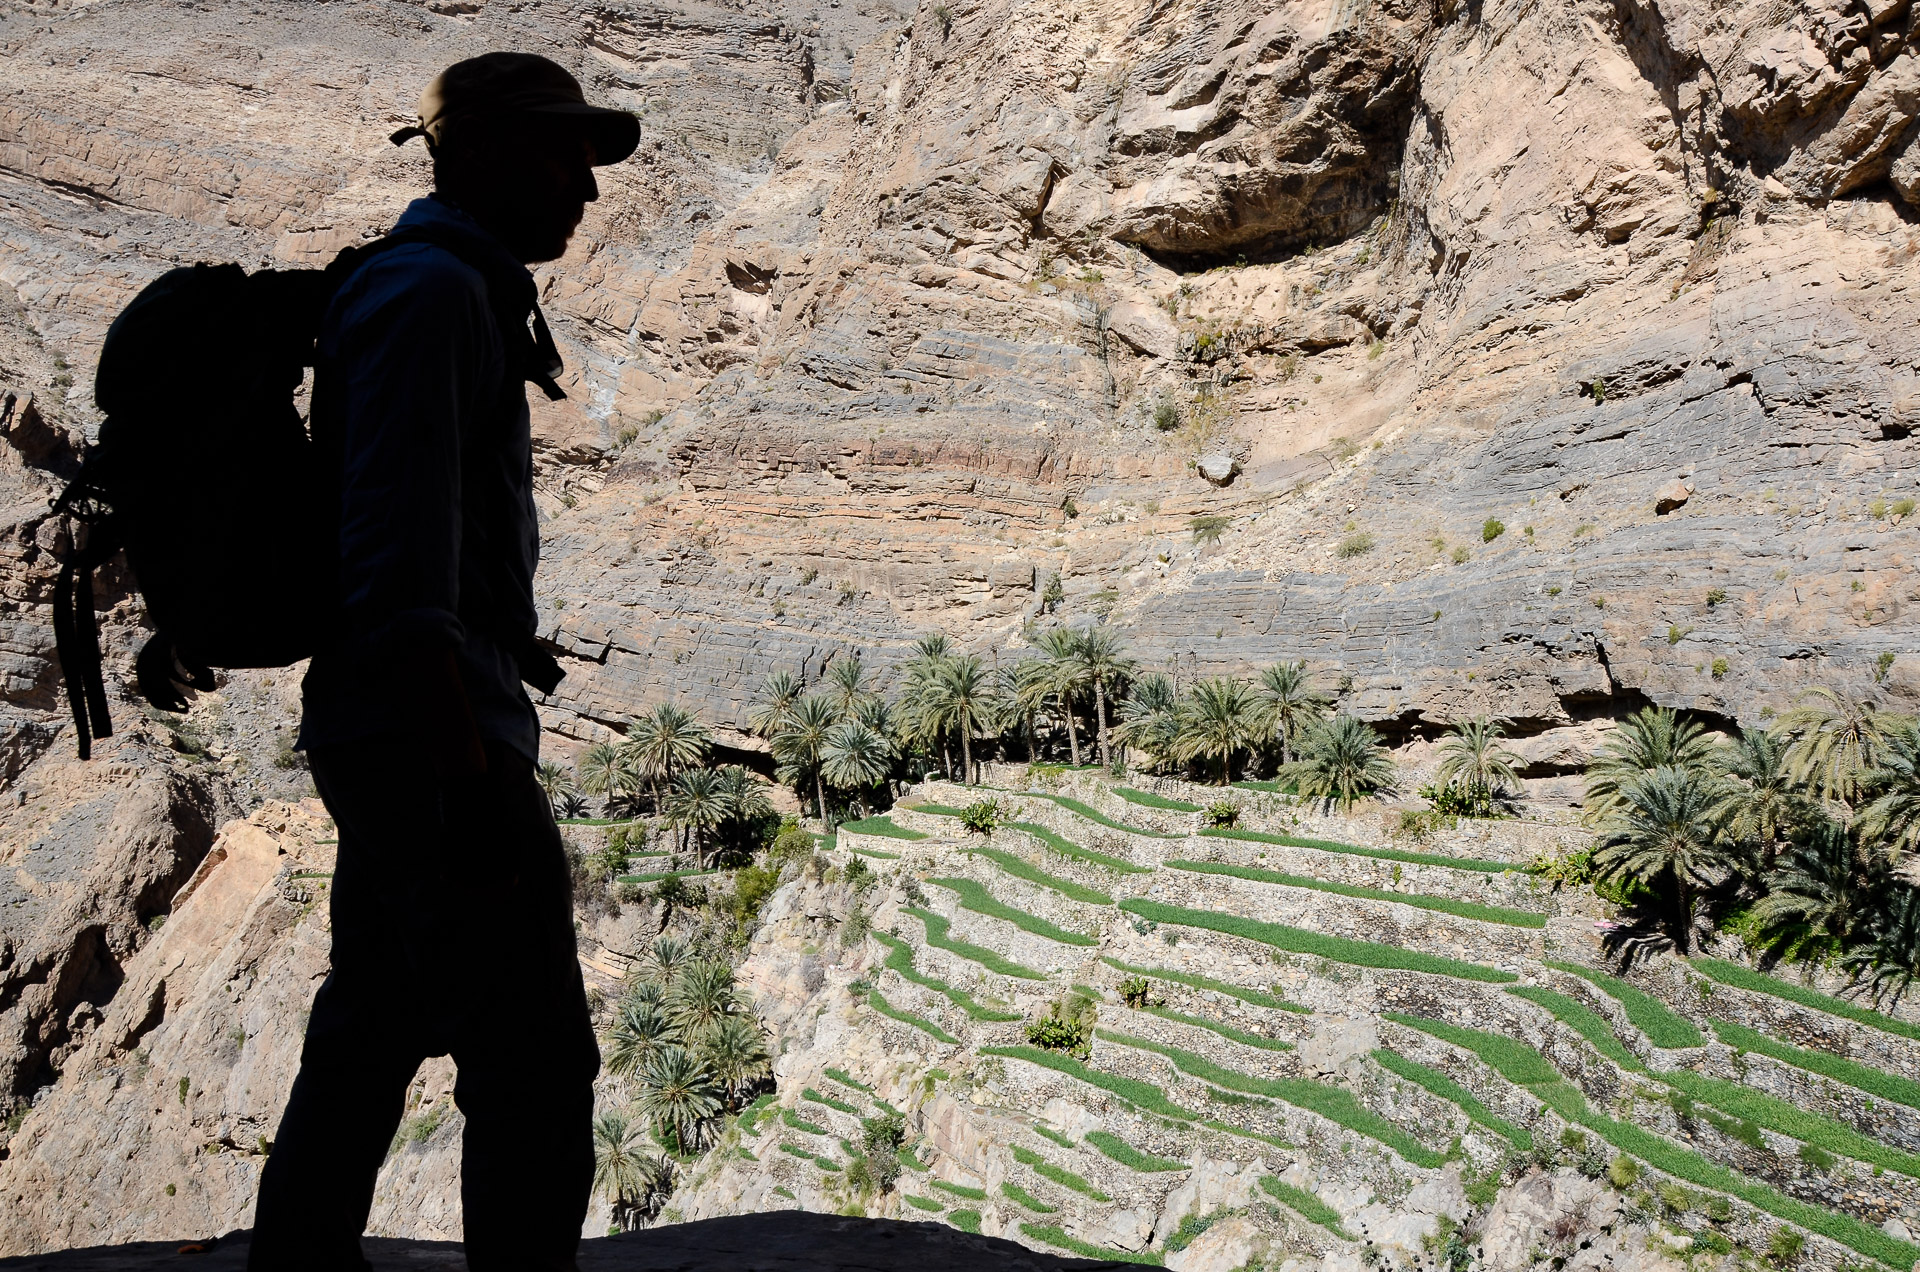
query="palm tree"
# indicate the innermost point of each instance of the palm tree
(1065, 679)
(1653, 737)
(801, 742)
(1286, 704)
(1767, 802)
(1819, 890)
(638, 1028)
(778, 692)
(1028, 688)
(700, 995)
(666, 956)
(747, 801)
(668, 738)
(1148, 717)
(931, 652)
(1472, 757)
(623, 1172)
(855, 757)
(1836, 740)
(699, 802)
(1669, 830)
(601, 772)
(676, 1095)
(1892, 820)
(735, 1049)
(1214, 720)
(1102, 663)
(1887, 960)
(960, 698)
(845, 684)
(1341, 760)
(553, 782)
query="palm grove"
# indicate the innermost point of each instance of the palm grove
(1791, 837)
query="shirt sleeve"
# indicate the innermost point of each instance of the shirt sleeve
(411, 343)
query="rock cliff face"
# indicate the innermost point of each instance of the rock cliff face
(871, 337)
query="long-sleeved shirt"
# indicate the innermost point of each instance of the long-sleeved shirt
(421, 416)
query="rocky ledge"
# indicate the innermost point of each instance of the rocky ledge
(783, 1241)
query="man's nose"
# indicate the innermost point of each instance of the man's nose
(589, 189)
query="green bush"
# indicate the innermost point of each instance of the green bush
(1022, 869)
(1222, 813)
(1333, 1103)
(937, 927)
(1664, 1027)
(900, 959)
(885, 1008)
(1067, 848)
(1252, 997)
(1491, 529)
(1058, 1174)
(1020, 1195)
(1149, 800)
(1423, 901)
(1583, 1020)
(982, 817)
(1447, 1089)
(1378, 854)
(1623, 1172)
(975, 897)
(1061, 1031)
(1354, 545)
(1746, 978)
(1337, 949)
(1129, 1156)
(1306, 1205)
(1887, 1086)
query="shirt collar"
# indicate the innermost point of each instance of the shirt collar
(505, 275)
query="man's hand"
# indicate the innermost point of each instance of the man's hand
(443, 715)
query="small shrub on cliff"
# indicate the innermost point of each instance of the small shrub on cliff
(1166, 416)
(1461, 556)
(1208, 529)
(1223, 813)
(1492, 529)
(1354, 545)
(1134, 991)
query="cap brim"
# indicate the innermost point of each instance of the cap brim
(615, 133)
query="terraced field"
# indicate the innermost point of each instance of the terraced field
(1313, 1044)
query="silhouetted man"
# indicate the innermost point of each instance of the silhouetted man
(452, 919)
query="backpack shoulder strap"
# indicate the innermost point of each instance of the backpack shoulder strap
(530, 348)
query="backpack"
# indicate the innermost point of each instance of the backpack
(206, 477)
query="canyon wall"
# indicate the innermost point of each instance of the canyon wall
(1540, 359)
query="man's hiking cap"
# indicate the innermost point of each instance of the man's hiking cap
(499, 86)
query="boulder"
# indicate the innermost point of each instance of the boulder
(1672, 495)
(1218, 467)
